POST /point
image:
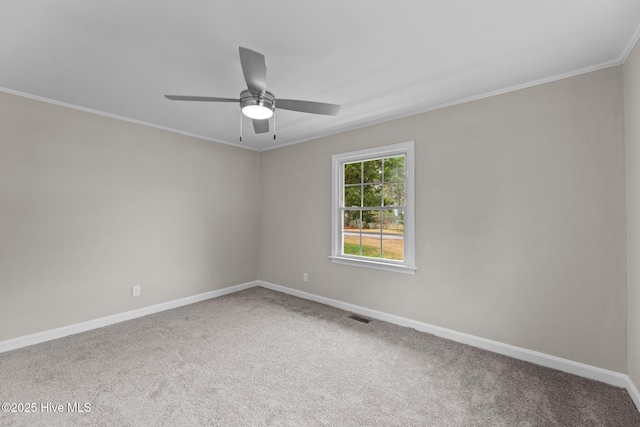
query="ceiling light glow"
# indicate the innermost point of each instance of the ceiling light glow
(257, 112)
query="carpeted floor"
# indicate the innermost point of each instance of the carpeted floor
(260, 358)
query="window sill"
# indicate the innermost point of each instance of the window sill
(377, 265)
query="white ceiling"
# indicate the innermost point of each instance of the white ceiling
(379, 59)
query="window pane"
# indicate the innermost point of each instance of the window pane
(351, 232)
(394, 169)
(394, 194)
(372, 171)
(371, 245)
(371, 240)
(351, 220)
(371, 222)
(353, 196)
(393, 234)
(372, 195)
(352, 173)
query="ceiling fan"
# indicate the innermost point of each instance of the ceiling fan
(256, 102)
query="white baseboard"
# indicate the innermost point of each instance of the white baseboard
(52, 334)
(576, 368)
(633, 392)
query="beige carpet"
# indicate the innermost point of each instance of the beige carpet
(259, 358)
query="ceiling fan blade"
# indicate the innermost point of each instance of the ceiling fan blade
(308, 106)
(254, 69)
(199, 98)
(261, 126)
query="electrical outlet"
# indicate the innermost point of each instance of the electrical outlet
(135, 291)
(305, 277)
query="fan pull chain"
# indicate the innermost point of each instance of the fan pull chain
(274, 125)
(240, 126)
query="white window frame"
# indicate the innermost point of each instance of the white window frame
(408, 266)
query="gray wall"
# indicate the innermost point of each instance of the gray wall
(632, 157)
(520, 214)
(90, 206)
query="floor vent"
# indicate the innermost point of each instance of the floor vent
(359, 319)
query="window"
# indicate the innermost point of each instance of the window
(372, 209)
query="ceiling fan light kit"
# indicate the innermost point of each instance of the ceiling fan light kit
(257, 106)
(257, 102)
